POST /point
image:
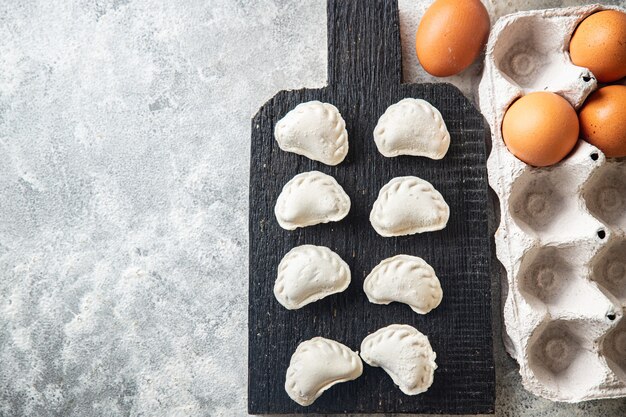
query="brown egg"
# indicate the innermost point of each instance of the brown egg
(540, 128)
(599, 43)
(603, 120)
(451, 35)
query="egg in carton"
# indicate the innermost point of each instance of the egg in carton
(562, 233)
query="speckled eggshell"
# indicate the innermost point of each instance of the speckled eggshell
(599, 43)
(603, 120)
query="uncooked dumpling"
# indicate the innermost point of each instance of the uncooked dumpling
(309, 273)
(408, 205)
(405, 279)
(315, 130)
(317, 365)
(405, 354)
(412, 127)
(311, 198)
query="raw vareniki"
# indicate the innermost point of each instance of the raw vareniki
(408, 205)
(311, 198)
(412, 127)
(405, 279)
(309, 273)
(317, 365)
(315, 130)
(405, 354)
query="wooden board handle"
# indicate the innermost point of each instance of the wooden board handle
(363, 42)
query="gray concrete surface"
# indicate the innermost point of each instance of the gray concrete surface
(124, 148)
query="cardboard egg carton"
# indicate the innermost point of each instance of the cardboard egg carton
(562, 233)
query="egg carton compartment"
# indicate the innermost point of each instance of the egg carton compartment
(605, 194)
(565, 360)
(553, 279)
(545, 202)
(529, 53)
(609, 269)
(614, 349)
(562, 230)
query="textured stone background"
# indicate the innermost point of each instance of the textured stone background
(124, 147)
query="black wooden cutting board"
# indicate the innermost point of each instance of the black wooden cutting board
(364, 70)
